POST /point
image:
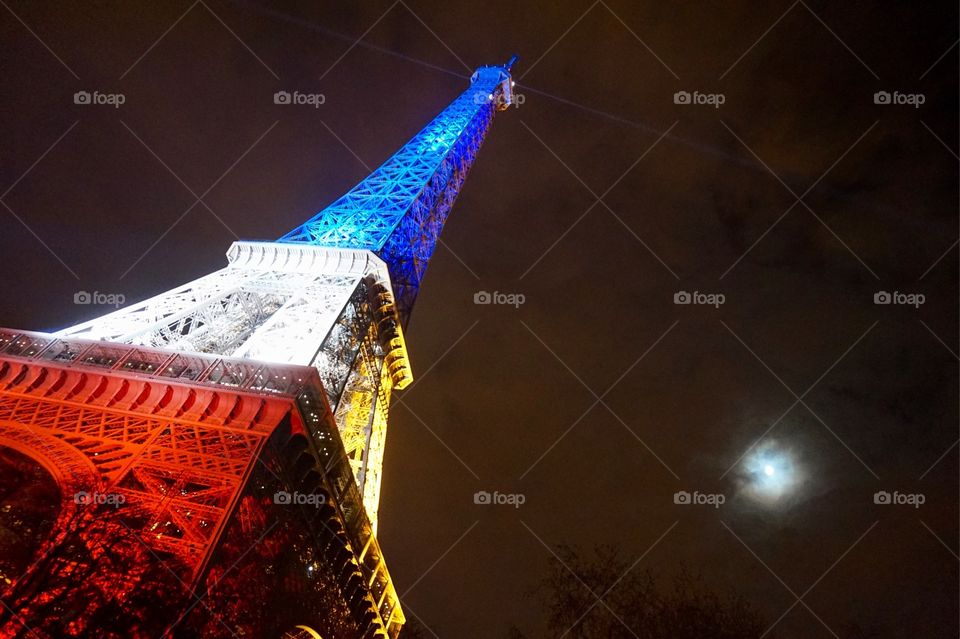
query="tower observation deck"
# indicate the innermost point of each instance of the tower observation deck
(219, 447)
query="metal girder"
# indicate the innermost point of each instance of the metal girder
(176, 437)
(303, 305)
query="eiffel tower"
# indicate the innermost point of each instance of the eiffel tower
(208, 462)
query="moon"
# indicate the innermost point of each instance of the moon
(769, 474)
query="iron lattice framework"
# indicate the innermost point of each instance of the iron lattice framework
(399, 210)
(273, 372)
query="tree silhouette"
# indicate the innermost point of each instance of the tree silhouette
(600, 596)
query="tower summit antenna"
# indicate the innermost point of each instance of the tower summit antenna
(250, 402)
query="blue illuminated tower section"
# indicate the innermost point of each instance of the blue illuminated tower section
(398, 211)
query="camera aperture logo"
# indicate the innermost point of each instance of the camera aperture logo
(708, 99)
(298, 98)
(99, 299)
(696, 498)
(701, 299)
(99, 499)
(899, 299)
(499, 299)
(496, 498)
(100, 99)
(896, 498)
(283, 498)
(899, 99)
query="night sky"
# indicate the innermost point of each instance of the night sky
(798, 199)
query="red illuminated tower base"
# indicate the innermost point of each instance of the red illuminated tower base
(182, 475)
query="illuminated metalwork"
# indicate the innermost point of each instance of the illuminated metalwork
(187, 409)
(398, 211)
(174, 439)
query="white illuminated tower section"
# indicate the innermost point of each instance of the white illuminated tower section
(336, 292)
